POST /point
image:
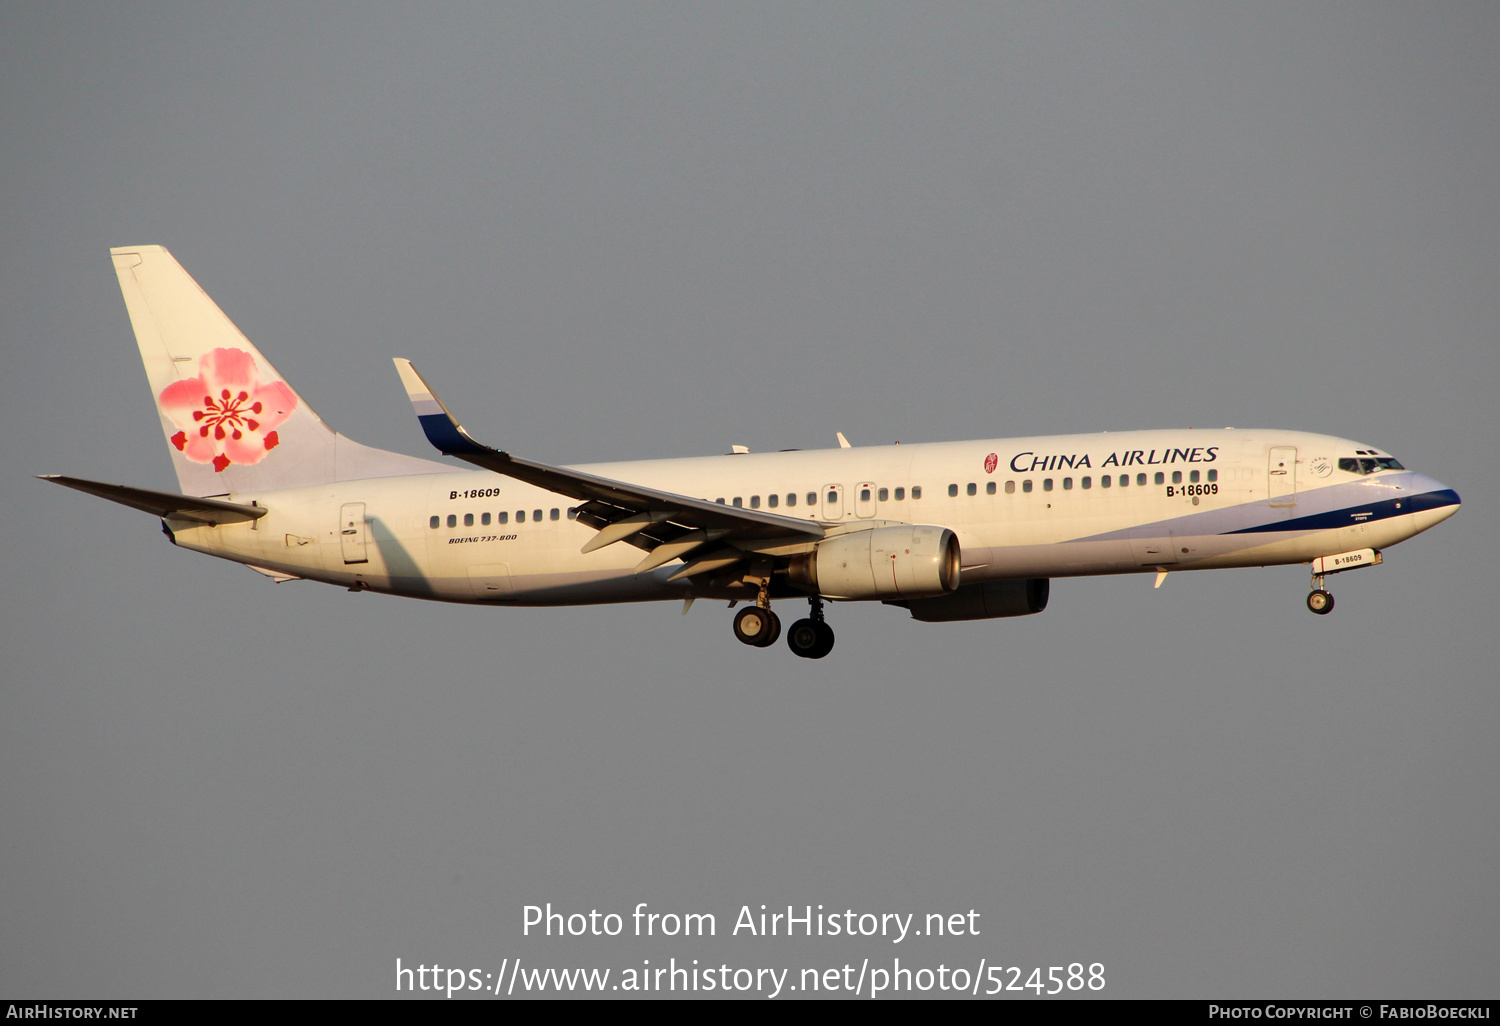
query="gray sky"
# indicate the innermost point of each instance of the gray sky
(635, 230)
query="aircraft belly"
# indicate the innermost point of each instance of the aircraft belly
(583, 587)
(1010, 562)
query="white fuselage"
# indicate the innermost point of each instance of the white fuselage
(1021, 508)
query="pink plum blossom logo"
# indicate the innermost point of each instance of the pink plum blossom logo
(225, 414)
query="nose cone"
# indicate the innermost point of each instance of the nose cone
(1431, 501)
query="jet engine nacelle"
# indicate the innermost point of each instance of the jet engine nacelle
(983, 601)
(909, 561)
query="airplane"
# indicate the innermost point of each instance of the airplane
(948, 531)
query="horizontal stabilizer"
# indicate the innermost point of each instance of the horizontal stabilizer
(164, 504)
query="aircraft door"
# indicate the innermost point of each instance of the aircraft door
(864, 500)
(352, 534)
(1283, 475)
(833, 502)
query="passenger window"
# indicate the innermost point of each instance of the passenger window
(468, 520)
(773, 500)
(536, 516)
(503, 517)
(1106, 481)
(520, 516)
(1026, 485)
(1067, 484)
(791, 498)
(556, 513)
(434, 522)
(989, 488)
(452, 520)
(972, 490)
(484, 520)
(864, 495)
(1192, 477)
(952, 491)
(572, 512)
(1010, 488)
(916, 491)
(812, 498)
(1160, 478)
(755, 502)
(833, 496)
(1088, 482)
(739, 500)
(720, 500)
(882, 495)
(1177, 477)
(1213, 475)
(1140, 480)
(1047, 484)
(900, 494)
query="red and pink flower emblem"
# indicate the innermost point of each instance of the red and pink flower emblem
(225, 414)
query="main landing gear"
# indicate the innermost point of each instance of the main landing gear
(758, 626)
(810, 638)
(1318, 600)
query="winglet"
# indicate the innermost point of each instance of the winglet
(441, 428)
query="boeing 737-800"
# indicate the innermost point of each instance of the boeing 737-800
(949, 531)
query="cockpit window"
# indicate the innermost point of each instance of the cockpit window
(1368, 464)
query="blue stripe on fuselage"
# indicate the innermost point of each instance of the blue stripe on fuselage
(1362, 514)
(1322, 508)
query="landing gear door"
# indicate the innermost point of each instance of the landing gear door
(352, 532)
(1283, 475)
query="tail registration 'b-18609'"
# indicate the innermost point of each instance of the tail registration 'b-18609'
(949, 531)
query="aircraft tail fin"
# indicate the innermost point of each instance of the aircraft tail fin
(232, 422)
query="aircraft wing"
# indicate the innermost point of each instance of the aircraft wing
(666, 524)
(164, 504)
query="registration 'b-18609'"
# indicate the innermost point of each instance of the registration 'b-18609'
(948, 531)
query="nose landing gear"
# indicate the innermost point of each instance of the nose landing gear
(1319, 601)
